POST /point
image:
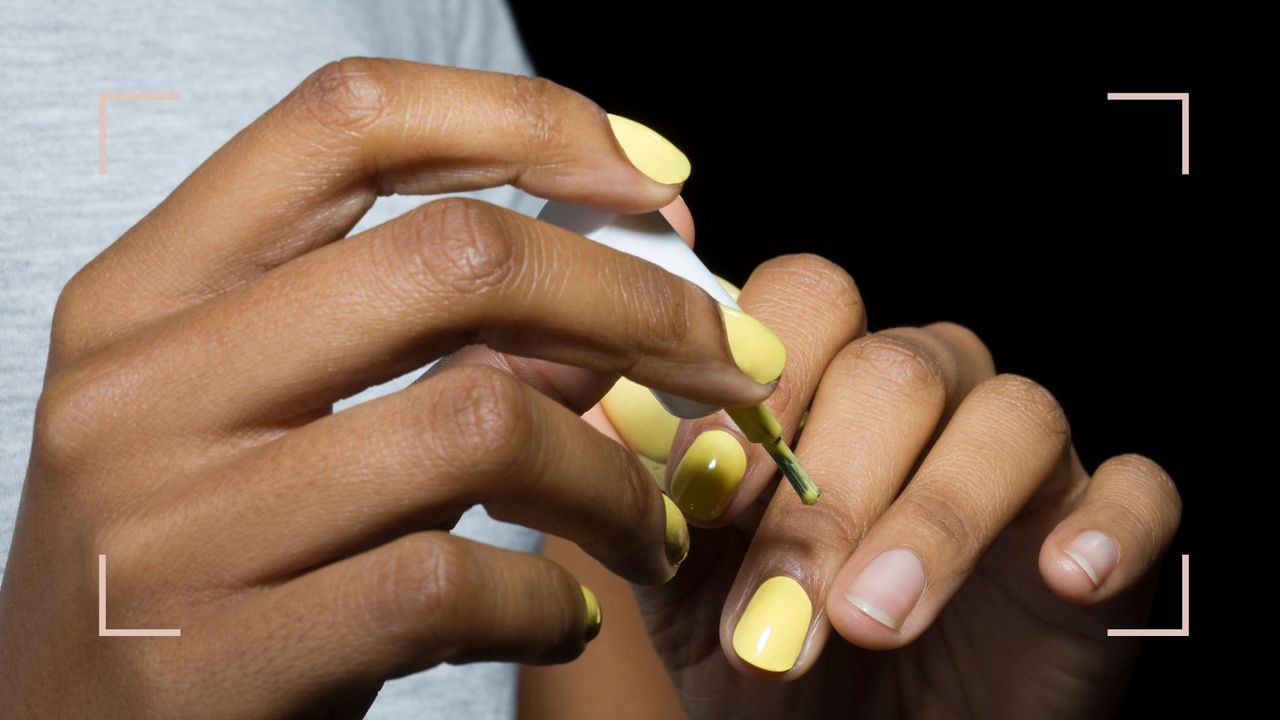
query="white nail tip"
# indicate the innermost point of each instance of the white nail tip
(1084, 565)
(871, 610)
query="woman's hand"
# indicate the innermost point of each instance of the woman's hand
(185, 429)
(967, 562)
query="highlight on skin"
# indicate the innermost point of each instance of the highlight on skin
(772, 630)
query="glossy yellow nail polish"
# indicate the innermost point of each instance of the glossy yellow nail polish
(640, 419)
(708, 475)
(651, 153)
(595, 616)
(756, 350)
(677, 534)
(772, 629)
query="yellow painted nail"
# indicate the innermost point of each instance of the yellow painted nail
(651, 153)
(708, 475)
(774, 625)
(641, 421)
(595, 616)
(756, 350)
(677, 534)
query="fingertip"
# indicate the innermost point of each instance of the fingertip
(861, 628)
(680, 218)
(1066, 576)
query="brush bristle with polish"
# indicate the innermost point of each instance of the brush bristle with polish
(760, 426)
(795, 472)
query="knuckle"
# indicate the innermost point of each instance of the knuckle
(75, 302)
(673, 322)
(1157, 485)
(486, 418)
(533, 104)
(963, 337)
(426, 583)
(347, 94)
(828, 528)
(68, 422)
(902, 364)
(129, 548)
(1027, 403)
(942, 515)
(456, 246)
(816, 278)
(657, 307)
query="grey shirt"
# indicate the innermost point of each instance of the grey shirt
(229, 60)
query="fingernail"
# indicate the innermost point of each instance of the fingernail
(888, 587)
(1096, 553)
(677, 536)
(595, 616)
(641, 421)
(756, 350)
(771, 632)
(651, 153)
(708, 475)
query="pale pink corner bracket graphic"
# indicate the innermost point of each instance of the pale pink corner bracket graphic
(1185, 99)
(1183, 631)
(103, 630)
(102, 117)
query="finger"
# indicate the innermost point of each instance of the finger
(814, 306)
(1005, 441)
(372, 307)
(422, 600)
(681, 220)
(307, 170)
(417, 458)
(876, 410)
(1123, 525)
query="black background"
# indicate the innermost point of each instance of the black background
(971, 169)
